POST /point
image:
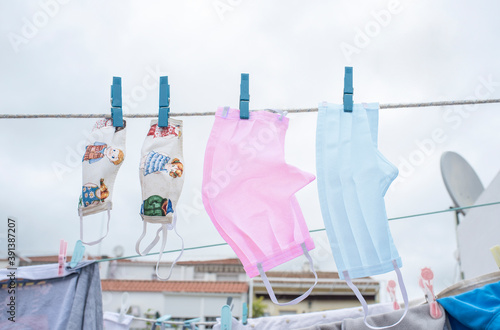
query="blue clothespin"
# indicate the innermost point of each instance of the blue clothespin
(226, 320)
(116, 102)
(190, 324)
(78, 253)
(244, 96)
(164, 102)
(160, 321)
(348, 90)
(245, 314)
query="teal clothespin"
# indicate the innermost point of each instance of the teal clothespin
(78, 253)
(160, 321)
(348, 90)
(164, 102)
(245, 314)
(116, 102)
(225, 318)
(191, 323)
(244, 96)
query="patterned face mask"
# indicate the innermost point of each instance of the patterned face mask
(161, 172)
(101, 161)
(249, 193)
(353, 177)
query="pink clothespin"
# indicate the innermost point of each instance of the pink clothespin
(425, 282)
(391, 288)
(63, 246)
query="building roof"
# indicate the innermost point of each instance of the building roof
(228, 261)
(54, 259)
(292, 274)
(174, 286)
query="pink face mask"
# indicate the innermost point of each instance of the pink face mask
(249, 192)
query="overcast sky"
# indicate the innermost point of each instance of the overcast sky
(60, 57)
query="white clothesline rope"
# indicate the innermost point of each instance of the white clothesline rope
(173, 322)
(192, 114)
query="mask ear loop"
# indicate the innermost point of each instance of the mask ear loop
(163, 243)
(153, 243)
(269, 288)
(364, 304)
(80, 212)
(164, 230)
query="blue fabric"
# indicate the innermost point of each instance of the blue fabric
(353, 177)
(477, 309)
(169, 207)
(89, 195)
(45, 301)
(155, 162)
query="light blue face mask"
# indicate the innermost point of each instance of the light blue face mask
(353, 177)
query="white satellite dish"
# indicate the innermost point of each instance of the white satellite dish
(460, 179)
(118, 251)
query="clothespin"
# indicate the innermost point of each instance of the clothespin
(425, 282)
(245, 314)
(63, 246)
(116, 102)
(124, 306)
(282, 113)
(229, 302)
(160, 321)
(225, 112)
(78, 253)
(348, 90)
(226, 318)
(391, 288)
(244, 96)
(191, 323)
(164, 102)
(495, 250)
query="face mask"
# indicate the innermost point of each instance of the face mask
(249, 192)
(353, 177)
(161, 172)
(101, 161)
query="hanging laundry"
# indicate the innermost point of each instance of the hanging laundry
(353, 177)
(418, 317)
(476, 309)
(249, 192)
(45, 301)
(100, 164)
(113, 321)
(161, 172)
(299, 321)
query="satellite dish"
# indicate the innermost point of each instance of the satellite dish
(460, 179)
(118, 251)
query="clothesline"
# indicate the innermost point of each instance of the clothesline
(173, 322)
(451, 209)
(191, 114)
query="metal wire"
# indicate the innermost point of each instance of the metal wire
(311, 231)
